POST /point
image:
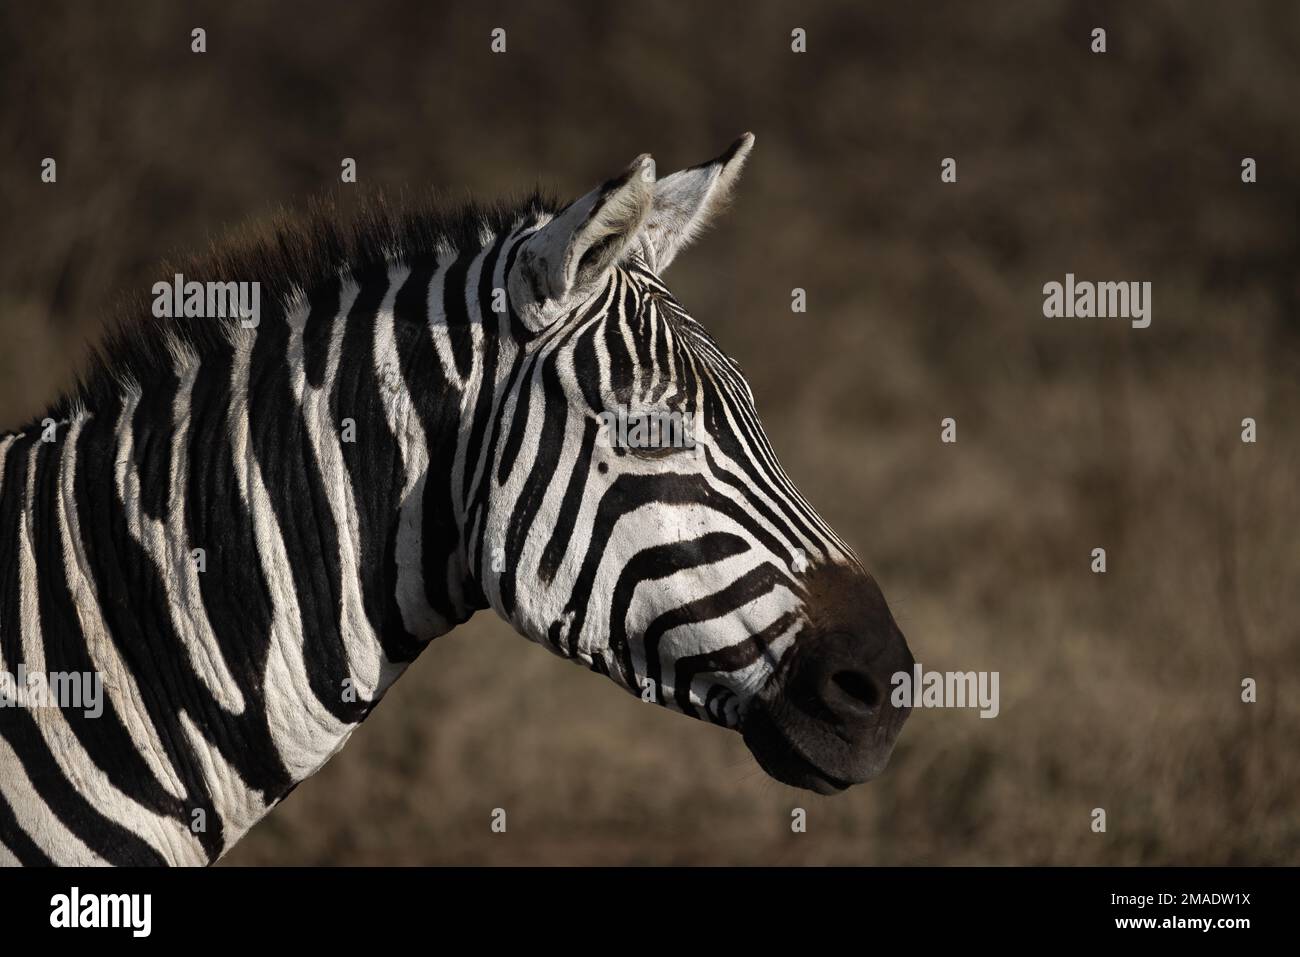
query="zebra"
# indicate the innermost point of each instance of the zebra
(247, 532)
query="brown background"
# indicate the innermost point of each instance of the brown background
(1118, 691)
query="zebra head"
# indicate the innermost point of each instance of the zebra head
(638, 520)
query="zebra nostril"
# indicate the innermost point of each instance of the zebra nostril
(853, 692)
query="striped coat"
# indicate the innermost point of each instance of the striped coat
(220, 550)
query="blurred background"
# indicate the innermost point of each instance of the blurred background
(1119, 691)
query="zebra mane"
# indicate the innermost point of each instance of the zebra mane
(290, 254)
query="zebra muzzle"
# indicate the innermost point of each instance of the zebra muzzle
(825, 721)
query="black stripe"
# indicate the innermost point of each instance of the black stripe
(17, 840)
(295, 486)
(521, 388)
(142, 630)
(18, 725)
(491, 348)
(636, 305)
(656, 562)
(764, 472)
(752, 585)
(477, 493)
(663, 367)
(715, 703)
(104, 738)
(152, 430)
(319, 329)
(622, 368)
(629, 492)
(430, 396)
(732, 658)
(104, 837)
(567, 519)
(456, 312)
(586, 368)
(550, 443)
(236, 595)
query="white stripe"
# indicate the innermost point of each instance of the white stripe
(163, 834)
(166, 544)
(418, 616)
(507, 351)
(239, 805)
(439, 332)
(438, 316)
(456, 573)
(371, 673)
(119, 683)
(37, 821)
(305, 733)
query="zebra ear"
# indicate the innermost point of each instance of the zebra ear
(687, 201)
(572, 252)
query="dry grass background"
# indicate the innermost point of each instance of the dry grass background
(1119, 691)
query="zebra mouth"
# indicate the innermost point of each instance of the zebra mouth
(777, 755)
(823, 721)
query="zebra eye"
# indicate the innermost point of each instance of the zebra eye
(650, 434)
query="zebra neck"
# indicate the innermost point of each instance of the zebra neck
(249, 548)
